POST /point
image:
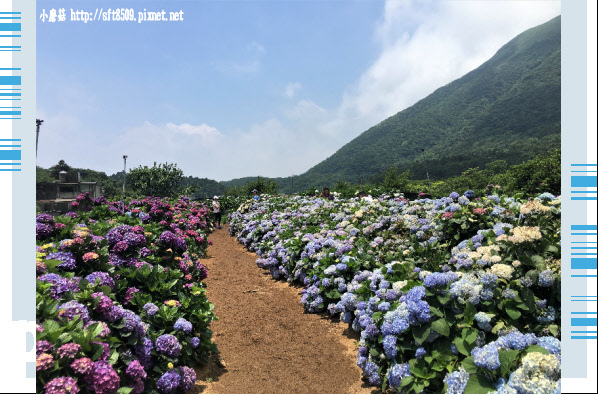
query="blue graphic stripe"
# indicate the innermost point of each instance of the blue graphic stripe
(10, 80)
(10, 112)
(584, 227)
(583, 181)
(584, 322)
(583, 337)
(584, 165)
(10, 27)
(6, 154)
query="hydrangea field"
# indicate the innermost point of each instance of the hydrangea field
(121, 303)
(456, 295)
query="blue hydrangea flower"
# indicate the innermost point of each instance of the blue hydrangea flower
(183, 325)
(396, 373)
(390, 346)
(457, 381)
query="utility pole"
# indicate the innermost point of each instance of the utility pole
(38, 122)
(124, 181)
(427, 175)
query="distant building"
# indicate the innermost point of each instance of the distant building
(57, 196)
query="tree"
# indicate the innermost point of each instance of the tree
(57, 168)
(395, 181)
(262, 185)
(160, 180)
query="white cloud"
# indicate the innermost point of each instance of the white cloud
(291, 89)
(202, 130)
(425, 45)
(252, 64)
(256, 47)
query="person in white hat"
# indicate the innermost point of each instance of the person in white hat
(255, 196)
(217, 212)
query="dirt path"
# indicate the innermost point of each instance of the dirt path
(267, 343)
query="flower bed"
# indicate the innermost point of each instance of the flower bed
(121, 305)
(455, 294)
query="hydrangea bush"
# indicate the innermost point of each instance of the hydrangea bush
(121, 302)
(455, 294)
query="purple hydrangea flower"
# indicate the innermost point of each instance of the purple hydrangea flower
(68, 350)
(104, 279)
(63, 384)
(143, 351)
(135, 370)
(169, 382)
(183, 325)
(168, 345)
(43, 347)
(82, 366)
(71, 309)
(188, 378)
(68, 260)
(150, 308)
(102, 378)
(195, 342)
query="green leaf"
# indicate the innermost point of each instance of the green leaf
(377, 316)
(469, 313)
(441, 327)
(106, 290)
(51, 326)
(443, 299)
(497, 327)
(513, 313)
(477, 384)
(552, 249)
(421, 333)
(536, 349)
(436, 311)
(538, 262)
(125, 390)
(460, 344)
(508, 359)
(374, 352)
(99, 349)
(113, 358)
(469, 366)
(470, 335)
(406, 381)
(418, 387)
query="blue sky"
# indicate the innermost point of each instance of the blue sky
(243, 88)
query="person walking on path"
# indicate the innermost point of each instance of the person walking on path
(217, 212)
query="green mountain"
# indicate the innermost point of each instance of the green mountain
(508, 109)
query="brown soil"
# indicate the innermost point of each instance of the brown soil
(266, 341)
